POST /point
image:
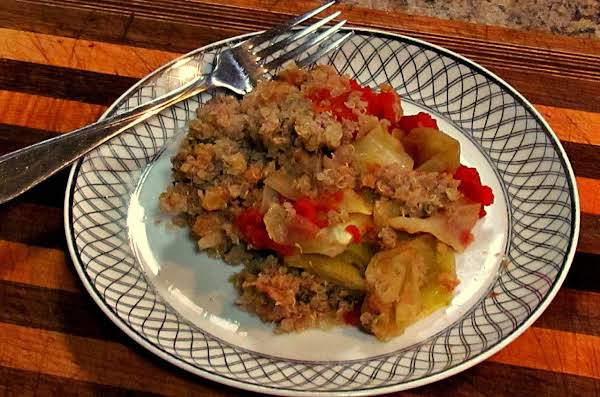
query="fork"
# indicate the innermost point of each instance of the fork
(237, 69)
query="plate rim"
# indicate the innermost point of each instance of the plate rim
(535, 314)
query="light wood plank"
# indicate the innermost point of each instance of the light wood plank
(63, 115)
(572, 125)
(589, 195)
(38, 266)
(556, 351)
(59, 115)
(94, 56)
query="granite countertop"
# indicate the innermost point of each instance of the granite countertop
(579, 18)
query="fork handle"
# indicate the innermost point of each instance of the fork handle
(23, 169)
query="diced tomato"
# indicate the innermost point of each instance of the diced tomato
(387, 101)
(380, 104)
(471, 187)
(341, 111)
(330, 201)
(320, 95)
(355, 232)
(357, 87)
(421, 119)
(316, 210)
(353, 317)
(311, 216)
(252, 227)
(309, 209)
(486, 195)
(323, 101)
(306, 207)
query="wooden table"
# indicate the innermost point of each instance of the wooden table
(63, 62)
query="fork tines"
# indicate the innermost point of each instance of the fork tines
(313, 35)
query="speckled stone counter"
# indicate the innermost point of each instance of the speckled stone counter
(579, 18)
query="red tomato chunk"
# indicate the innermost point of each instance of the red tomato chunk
(419, 120)
(316, 210)
(324, 101)
(471, 187)
(380, 104)
(355, 232)
(252, 227)
(353, 317)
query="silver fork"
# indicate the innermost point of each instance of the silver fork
(237, 68)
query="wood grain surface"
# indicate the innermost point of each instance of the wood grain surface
(63, 62)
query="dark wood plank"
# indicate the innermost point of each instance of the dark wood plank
(584, 274)
(14, 137)
(490, 379)
(50, 193)
(16, 382)
(584, 159)
(59, 82)
(573, 311)
(55, 310)
(589, 234)
(32, 224)
(474, 382)
(251, 15)
(549, 89)
(556, 77)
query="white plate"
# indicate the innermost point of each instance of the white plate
(150, 280)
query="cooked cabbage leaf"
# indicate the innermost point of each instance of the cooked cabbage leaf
(380, 148)
(406, 283)
(334, 270)
(432, 150)
(452, 226)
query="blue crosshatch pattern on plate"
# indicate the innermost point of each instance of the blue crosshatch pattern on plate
(526, 157)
